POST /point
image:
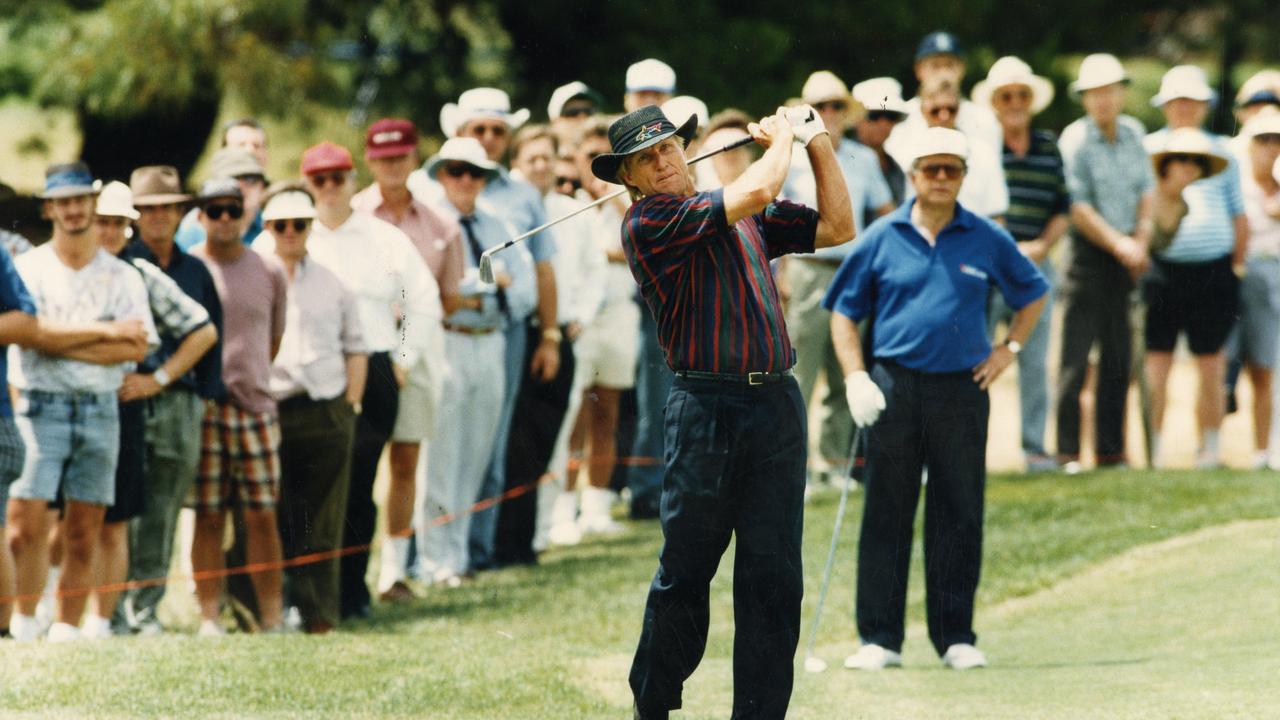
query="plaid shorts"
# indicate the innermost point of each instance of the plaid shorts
(239, 459)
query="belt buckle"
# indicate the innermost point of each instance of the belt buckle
(755, 378)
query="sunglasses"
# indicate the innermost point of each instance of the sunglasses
(280, 226)
(878, 115)
(574, 183)
(937, 110)
(481, 130)
(457, 171)
(1011, 95)
(579, 111)
(837, 105)
(945, 170)
(235, 212)
(322, 179)
(1267, 139)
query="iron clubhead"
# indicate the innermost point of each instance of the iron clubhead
(486, 268)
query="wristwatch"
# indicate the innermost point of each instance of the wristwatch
(1014, 346)
(162, 377)
(553, 334)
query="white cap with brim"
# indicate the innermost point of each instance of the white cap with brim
(939, 141)
(882, 94)
(480, 103)
(653, 75)
(685, 106)
(1184, 82)
(1266, 122)
(462, 150)
(1008, 71)
(1099, 70)
(1190, 141)
(289, 205)
(116, 200)
(563, 94)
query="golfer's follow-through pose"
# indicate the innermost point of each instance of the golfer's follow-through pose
(735, 421)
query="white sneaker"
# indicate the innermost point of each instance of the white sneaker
(564, 520)
(61, 632)
(97, 628)
(210, 628)
(595, 517)
(565, 534)
(873, 657)
(24, 628)
(963, 656)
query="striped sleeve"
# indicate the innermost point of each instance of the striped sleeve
(788, 228)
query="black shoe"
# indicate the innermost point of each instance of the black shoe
(1232, 404)
(359, 612)
(648, 715)
(644, 510)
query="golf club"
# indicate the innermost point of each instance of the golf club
(486, 262)
(816, 664)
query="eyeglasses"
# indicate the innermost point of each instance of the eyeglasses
(457, 171)
(945, 170)
(574, 183)
(321, 179)
(235, 212)
(299, 225)
(1006, 96)
(497, 130)
(837, 105)
(878, 115)
(578, 111)
(110, 220)
(937, 110)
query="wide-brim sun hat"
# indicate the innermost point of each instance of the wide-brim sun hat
(1184, 82)
(686, 105)
(1266, 122)
(115, 200)
(289, 205)
(464, 150)
(1010, 70)
(157, 185)
(1190, 141)
(880, 94)
(1098, 70)
(938, 141)
(483, 102)
(635, 131)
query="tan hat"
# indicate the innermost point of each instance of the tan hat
(1190, 141)
(156, 185)
(824, 86)
(1010, 70)
(234, 162)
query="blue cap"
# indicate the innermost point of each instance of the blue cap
(67, 180)
(1261, 97)
(939, 43)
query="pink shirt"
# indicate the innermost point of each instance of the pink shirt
(436, 236)
(253, 291)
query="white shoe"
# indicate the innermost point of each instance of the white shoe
(564, 520)
(565, 534)
(24, 628)
(150, 627)
(873, 657)
(97, 628)
(61, 632)
(595, 518)
(210, 628)
(1208, 460)
(963, 656)
(1072, 467)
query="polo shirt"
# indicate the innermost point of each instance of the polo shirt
(930, 301)
(13, 296)
(192, 276)
(1207, 231)
(1037, 186)
(862, 178)
(512, 201)
(708, 285)
(1109, 175)
(321, 328)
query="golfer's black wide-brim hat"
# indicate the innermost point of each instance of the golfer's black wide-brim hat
(636, 131)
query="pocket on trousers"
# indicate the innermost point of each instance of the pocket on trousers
(696, 449)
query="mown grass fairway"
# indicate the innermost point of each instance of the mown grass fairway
(1120, 594)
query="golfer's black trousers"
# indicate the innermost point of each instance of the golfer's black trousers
(938, 420)
(735, 466)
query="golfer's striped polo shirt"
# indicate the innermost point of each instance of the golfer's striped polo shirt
(1037, 187)
(709, 285)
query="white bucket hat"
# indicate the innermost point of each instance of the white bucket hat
(651, 74)
(1010, 70)
(881, 93)
(939, 141)
(116, 200)
(1190, 141)
(1184, 81)
(1099, 70)
(464, 150)
(480, 103)
(289, 205)
(686, 106)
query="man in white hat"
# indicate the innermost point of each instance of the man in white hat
(1192, 287)
(648, 82)
(570, 106)
(808, 276)
(923, 276)
(1037, 218)
(881, 97)
(1110, 180)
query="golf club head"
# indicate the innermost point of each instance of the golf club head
(486, 268)
(815, 664)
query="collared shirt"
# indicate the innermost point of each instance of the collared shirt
(13, 296)
(579, 261)
(618, 285)
(862, 178)
(521, 295)
(1037, 186)
(930, 301)
(175, 314)
(513, 201)
(378, 263)
(106, 289)
(192, 276)
(1110, 176)
(322, 327)
(709, 285)
(437, 237)
(983, 189)
(191, 232)
(1207, 231)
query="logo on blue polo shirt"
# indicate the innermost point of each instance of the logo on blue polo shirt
(972, 271)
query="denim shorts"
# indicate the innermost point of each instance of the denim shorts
(72, 442)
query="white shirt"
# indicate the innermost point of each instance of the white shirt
(974, 120)
(619, 284)
(579, 262)
(106, 289)
(322, 327)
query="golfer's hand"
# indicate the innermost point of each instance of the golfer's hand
(988, 370)
(546, 361)
(772, 129)
(864, 398)
(805, 123)
(139, 386)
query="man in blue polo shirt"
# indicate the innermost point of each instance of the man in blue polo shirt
(924, 274)
(735, 422)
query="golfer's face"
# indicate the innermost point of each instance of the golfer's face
(660, 169)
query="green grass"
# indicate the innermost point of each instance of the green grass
(1103, 595)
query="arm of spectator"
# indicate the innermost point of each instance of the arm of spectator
(422, 307)
(138, 386)
(18, 328)
(357, 373)
(847, 344)
(1024, 321)
(1240, 224)
(108, 352)
(1039, 248)
(58, 338)
(546, 357)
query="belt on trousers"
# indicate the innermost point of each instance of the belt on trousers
(755, 378)
(469, 330)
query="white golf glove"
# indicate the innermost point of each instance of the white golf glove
(864, 396)
(805, 123)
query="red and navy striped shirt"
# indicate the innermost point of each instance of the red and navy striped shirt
(709, 285)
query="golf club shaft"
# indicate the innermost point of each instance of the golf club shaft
(835, 538)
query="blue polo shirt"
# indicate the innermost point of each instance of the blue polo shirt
(930, 302)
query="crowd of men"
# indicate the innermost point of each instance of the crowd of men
(252, 350)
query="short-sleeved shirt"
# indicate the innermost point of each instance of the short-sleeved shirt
(1207, 231)
(254, 291)
(513, 201)
(709, 285)
(436, 236)
(1110, 176)
(173, 311)
(862, 178)
(930, 301)
(321, 329)
(104, 290)
(1264, 230)
(13, 296)
(521, 295)
(1037, 186)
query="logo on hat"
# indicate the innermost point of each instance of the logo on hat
(383, 138)
(648, 131)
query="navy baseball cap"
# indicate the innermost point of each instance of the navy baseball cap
(939, 43)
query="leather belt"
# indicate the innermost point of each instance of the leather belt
(465, 330)
(755, 378)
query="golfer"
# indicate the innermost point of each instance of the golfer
(735, 421)
(924, 273)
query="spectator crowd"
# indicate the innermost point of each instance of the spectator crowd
(251, 351)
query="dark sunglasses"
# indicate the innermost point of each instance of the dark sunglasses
(579, 111)
(946, 170)
(1267, 139)
(112, 220)
(322, 179)
(837, 105)
(495, 130)
(457, 171)
(280, 226)
(574, 183)
(878, 115)
(937, 110)
(1010, 95)
(235, 212)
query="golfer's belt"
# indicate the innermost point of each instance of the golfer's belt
(755, 378)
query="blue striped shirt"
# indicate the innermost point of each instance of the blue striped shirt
(1208, 231)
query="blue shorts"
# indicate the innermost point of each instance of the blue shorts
(72, 442)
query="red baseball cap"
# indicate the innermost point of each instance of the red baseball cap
(326, 156)
(390, 137)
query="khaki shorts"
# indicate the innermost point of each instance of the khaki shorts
(607, 352)
(415, 419)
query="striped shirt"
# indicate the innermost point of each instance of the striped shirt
(1037, 186)
(1207, 232)
(708, 285)
(1111, 176)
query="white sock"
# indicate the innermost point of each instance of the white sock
(395, 553)
(51, 584)
(1156, 446)
(24, 628)
(1211, 442)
